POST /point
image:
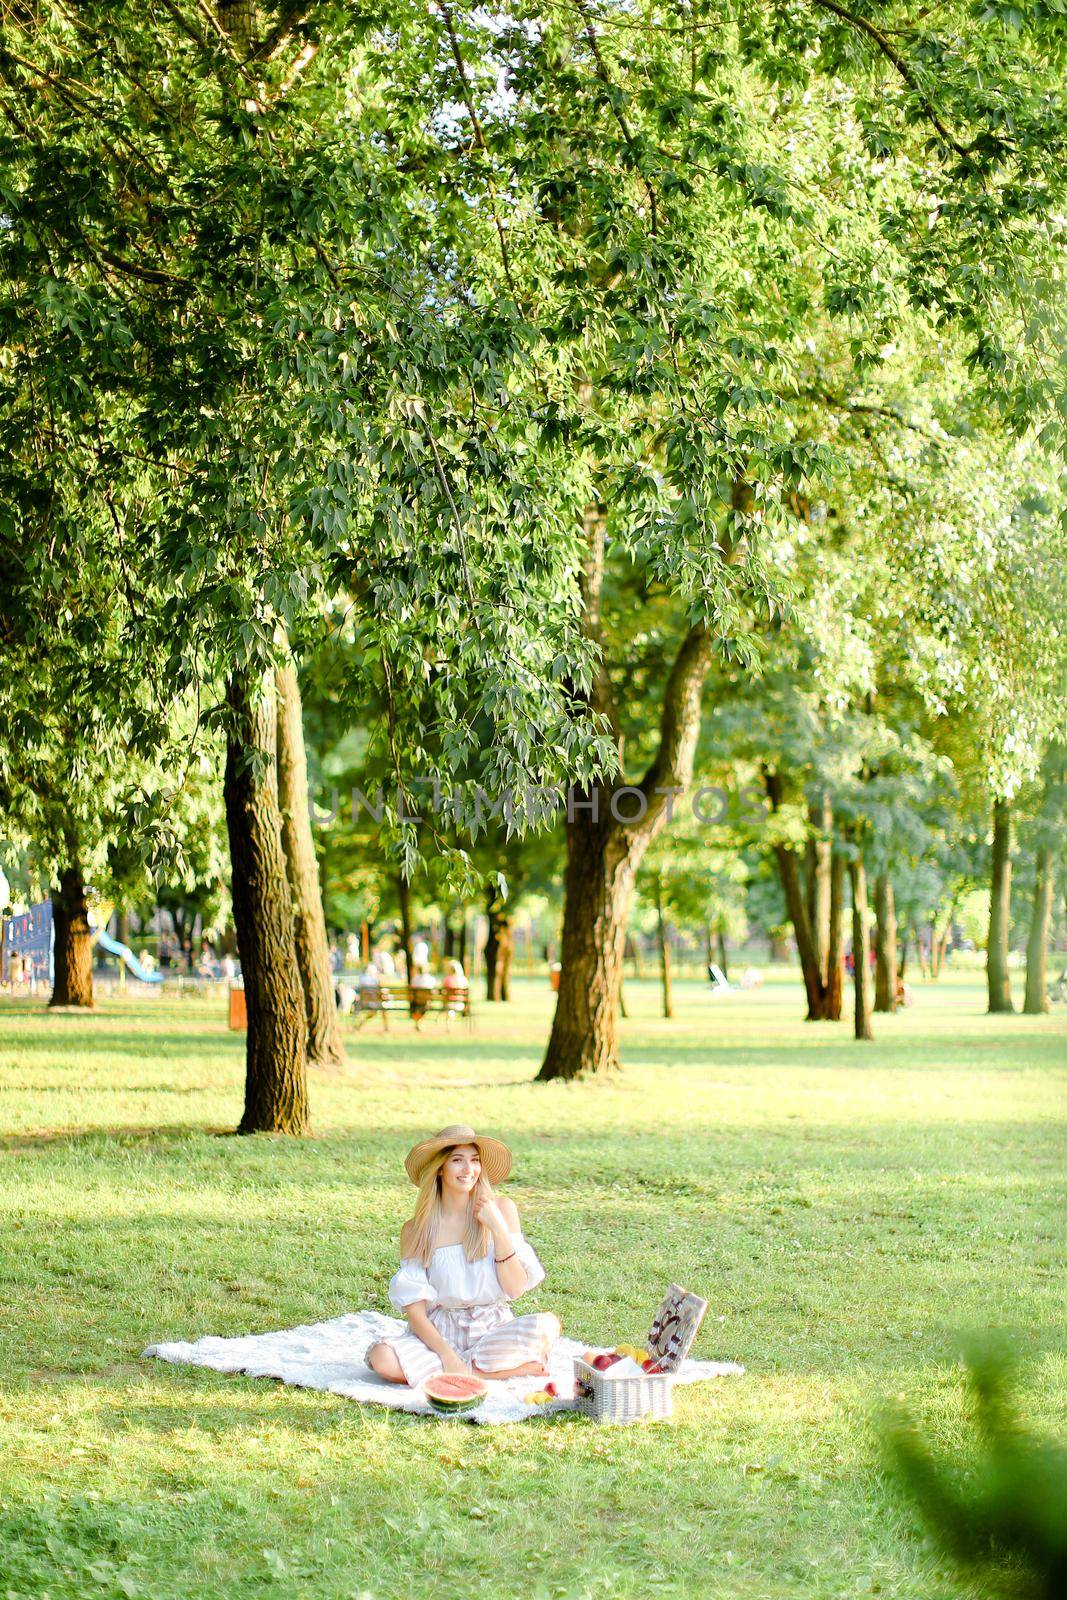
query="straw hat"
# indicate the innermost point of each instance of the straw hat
(495, 1157)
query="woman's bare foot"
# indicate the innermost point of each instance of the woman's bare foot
(529, 1369)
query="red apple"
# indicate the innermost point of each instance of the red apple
(603, 1361)
(651, 1366)
(550, 1388)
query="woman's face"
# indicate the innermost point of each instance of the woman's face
(462, 1169)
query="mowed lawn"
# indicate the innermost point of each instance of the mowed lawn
(851, 1212)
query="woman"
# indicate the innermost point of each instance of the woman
(456, 989)
(421, 984)
(463, 1260)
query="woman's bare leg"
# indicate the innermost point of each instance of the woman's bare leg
(383, 1360)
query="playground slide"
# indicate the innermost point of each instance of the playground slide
(114, 948)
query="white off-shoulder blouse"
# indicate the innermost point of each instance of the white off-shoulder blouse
(451, 1280)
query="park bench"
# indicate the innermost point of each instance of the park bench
(402, 997)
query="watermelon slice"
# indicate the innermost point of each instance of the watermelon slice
(452, 1391)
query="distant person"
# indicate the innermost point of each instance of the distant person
(456, 989)
(420, 954)
(383, 960)
(370, 988)
(228, 968)
(422, 982)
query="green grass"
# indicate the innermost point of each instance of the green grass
(849, 1211)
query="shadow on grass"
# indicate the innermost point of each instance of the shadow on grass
(165, 1044)
(628, 1153)
(102, 1138)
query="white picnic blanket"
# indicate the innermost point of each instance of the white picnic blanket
(330, 1355)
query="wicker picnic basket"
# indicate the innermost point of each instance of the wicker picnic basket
(621, 1399)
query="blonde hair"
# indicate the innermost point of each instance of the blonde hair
(419, 1236)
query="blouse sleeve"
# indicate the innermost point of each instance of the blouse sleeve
(535, 1272)
(410, 1284)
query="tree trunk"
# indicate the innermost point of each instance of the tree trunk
(822, 984)
(796, 905)
(598, 888)
(325, 1047)
(939, 944)
(861, 950)
(819, 883)
(603, 854)
(403, 895)
(834, 1004)
(499, 947)
(276, 1045)
(663, 942)
(1036, 1000)
(885, 949)
(997, 973)
(723, 959)
(73, 985)
(504, 959)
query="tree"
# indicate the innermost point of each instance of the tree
(997, 970)
(861, 948)
(1045, 833)
(276, 1099)
(1035, 1000)
(606, 843)
(499, 946)
(886, 970)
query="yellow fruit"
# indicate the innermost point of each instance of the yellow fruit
(538, 1399)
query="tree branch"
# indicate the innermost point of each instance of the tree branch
(869, 408)
(605, 78)
(672, 766)
(892, 54)
(479, 135)
(273, 43)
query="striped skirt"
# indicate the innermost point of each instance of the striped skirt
(490, 1338)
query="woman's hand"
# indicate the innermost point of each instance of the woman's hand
(490, 1215)
(454, 1363)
